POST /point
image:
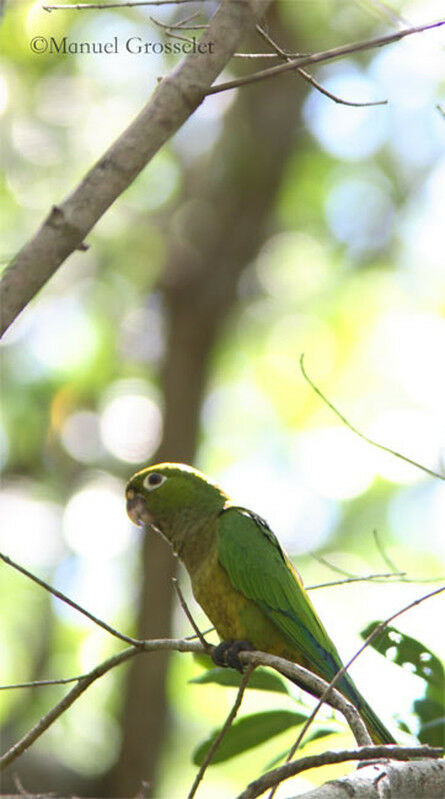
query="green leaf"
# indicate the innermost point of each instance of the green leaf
(261, 679)
(407, 652)
(248, 732)
(432, 721)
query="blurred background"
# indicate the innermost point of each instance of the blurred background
(276, 222)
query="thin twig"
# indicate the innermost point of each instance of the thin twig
(128, 4)
(176, 25)
(309, 78)
(228, 722)
(377, 630)
(257, 787)
(128, 639)
(187, 612)
(440, 110)
(332, 566)
(326, 55)
(381, 549)
(192, 637)
(84, 682)
(38, 683)
(357, 432)
(370, 578)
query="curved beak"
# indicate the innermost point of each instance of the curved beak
(137, 509)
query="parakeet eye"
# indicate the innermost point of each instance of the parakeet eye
(153, 480)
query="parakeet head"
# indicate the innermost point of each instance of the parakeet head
(171, 497)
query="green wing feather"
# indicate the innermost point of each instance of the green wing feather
(258, 568)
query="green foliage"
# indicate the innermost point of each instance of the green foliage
(261, 679)
(413, 655)
(248, 732)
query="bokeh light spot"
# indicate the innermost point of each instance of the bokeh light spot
(95, 524)
(131, 427)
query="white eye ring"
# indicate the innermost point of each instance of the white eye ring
(153, 480)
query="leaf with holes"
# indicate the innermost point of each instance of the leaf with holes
(407, 652)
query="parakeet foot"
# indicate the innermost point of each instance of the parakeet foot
(226, 653)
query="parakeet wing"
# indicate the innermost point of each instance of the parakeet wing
(258, 568)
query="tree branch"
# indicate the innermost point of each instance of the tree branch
(421, 779)
(326, 55)
(309, 78)
(228, 722)
(175, 99)
(281, 773)
(362, 435)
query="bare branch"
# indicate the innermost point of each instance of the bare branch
(70, 602)
(228, 722)
(369, 578)
(206, 645)
(39, 683)
(326, 55)
(305, 678)
(272, 778)
(103, 6)
(175, 99)
(361, 435)
(406, 780)
(307, 77)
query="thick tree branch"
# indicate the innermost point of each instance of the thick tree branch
(175, 99)
(414, 779)
(272, 778)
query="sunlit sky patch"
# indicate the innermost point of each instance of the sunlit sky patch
(348, 133)
(359, 213)
(415, 434)
(35, 142)
(301, 519)
(282, 266)
(81, 437)
(95, 524)
(421, 234)
(413, 344)
(62, 336)
(29, 526)
(131, 422)
(334, 462)
(416, 516)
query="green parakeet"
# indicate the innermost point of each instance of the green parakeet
(240, 575)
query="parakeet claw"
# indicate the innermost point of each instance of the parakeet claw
(226, 653)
